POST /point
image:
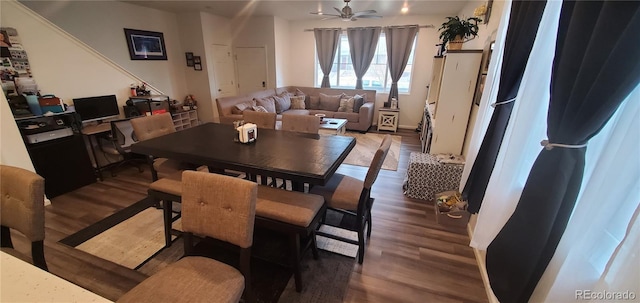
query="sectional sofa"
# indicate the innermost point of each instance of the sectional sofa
(316, 101)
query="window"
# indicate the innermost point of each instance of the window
(377, 76)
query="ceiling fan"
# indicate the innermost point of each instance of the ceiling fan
(347, 14)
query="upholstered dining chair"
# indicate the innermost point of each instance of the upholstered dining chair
(301, 123)
(22, 208)
(149, 127)
(215, 206)
(260, 119)
(352, 196)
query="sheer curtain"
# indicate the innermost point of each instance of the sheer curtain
(521, 143)
(599, 249)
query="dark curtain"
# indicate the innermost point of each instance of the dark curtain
(327, 40)
(521, 33)
(362, 43)
(596, 66)
(399, 43)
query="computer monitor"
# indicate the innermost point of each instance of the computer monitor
(97, 108)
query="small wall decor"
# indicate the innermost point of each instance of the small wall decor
(145, 45)
(197, 63)
(189, 57)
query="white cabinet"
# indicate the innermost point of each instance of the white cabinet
(454, 101)
(436, 79)
(185, 119)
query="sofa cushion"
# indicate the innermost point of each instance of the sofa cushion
(358, 101)
(346, 104)
(299, 92)
(351, 117)
(330, 102)
(302, 112)
(297, 102)
(268, 103)
(282, 102)
(260, 109)
(240, 107)
(314, 102)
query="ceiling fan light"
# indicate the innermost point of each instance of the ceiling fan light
(404, 10)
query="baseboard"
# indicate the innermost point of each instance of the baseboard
(482, 265)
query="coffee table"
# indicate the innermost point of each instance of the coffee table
(339, 125)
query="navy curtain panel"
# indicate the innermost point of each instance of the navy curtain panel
(521, 33)
(596, 66)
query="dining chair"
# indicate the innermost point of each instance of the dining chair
(260, 119)
(215, 206)
(22, 208)
(119, 143)
(149, 127)
(351, 196)
(301, 123)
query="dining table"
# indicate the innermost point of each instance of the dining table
(299, 157)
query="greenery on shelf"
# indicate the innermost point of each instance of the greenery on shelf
(455, 28)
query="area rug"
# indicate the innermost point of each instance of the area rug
(137, 242)
(366, 147)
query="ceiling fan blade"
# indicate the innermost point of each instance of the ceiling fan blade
(370, 16)
(368, 12)
(338, 10)
(323, 14)
(330, 18)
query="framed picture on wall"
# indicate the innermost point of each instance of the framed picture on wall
(197, 66)
(145, 45)
(196, 59)
(189, 57)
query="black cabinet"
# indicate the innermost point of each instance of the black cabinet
(58, 152)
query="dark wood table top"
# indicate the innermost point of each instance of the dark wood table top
(301, 157)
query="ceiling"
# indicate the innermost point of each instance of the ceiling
(300, 9)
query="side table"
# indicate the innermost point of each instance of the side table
(427, 176)
(388, 119)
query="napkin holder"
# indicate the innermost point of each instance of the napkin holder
(247, 133)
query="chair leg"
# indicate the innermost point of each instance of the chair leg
(166, 208)
(294, 240)
(360, 243)
(37, 253)
(245, 269)
(369, 223)
(314, 246)
(187, 239)
(5, 234)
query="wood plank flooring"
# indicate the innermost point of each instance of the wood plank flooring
(410, 258)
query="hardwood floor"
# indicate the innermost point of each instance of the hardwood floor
(410, 258)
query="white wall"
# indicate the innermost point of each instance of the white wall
(303, 58)
(258, 32)
(486, 33)
(100, 24)
(60, 64)
(283, 49)
(12, 149)
(198, 82)
(215, 30)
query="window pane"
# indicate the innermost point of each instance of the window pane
(376, 77)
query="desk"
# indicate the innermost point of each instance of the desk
(23, 282)
(91, 131)
(303, 158)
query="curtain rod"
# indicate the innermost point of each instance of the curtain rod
(344, 29)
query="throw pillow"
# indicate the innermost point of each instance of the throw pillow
(314, 102)
(358, 102)
(268, 103)
(346, 104)
(299, 92)
(297, 102)
(240, 107)
(260, 109)
(330, 102)
(283, 102)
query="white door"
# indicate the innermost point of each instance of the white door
(251, 65)
(224, 72)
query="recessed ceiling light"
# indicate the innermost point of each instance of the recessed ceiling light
(404, 10)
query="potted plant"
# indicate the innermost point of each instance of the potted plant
(456, 31)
